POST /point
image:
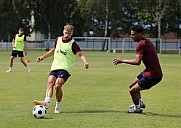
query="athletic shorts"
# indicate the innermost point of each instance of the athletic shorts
(146, 82)
(17, 53)
(60, 74)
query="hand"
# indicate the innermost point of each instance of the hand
(86, 65)
(39, 59)
(117, 60)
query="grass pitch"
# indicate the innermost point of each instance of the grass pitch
(94, 98)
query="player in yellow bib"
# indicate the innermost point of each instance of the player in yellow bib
(19, 45)
(64, 51)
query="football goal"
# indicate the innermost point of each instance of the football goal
(94, 43)
(129, 45)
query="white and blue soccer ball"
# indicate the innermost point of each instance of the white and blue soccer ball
(39, 111)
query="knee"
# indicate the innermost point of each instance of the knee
(50, 82)
(132, 90)
(21, 60)
(59, 83)
(58, 86)
(11, 59)
(130, 86)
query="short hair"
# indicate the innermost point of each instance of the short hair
(21, 29)
(137, 28)
(69, 27)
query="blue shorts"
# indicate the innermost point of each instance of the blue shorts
(146, 82)
(60, 74)
(17, 53)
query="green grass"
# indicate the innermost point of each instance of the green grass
(94, 98)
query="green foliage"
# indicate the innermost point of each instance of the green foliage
(51, 16)
(13, 14)
(174, 19)
(93, 98)
(86, 15)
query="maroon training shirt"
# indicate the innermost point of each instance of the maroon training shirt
(150, 58)
(75, 46)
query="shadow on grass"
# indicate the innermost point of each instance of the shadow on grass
(161, 115)
(46, 118)
(95, 111)
(116, 111)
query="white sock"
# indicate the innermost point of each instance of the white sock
(10, 68)
(47, 100)
(140, 101)
(27, 67)
(57, 105)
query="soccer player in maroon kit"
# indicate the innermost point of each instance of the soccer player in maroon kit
(150, 76)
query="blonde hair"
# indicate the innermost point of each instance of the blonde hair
(69, 27)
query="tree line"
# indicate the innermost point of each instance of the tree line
(102, 17)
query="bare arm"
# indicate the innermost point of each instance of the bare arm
(13, 43)
(82, 57)
(25, 47)
(136, 61)
(48, 54)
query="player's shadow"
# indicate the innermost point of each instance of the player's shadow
(118, 111)
(94, 111)
(161, 115)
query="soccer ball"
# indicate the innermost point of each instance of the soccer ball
(39, 111)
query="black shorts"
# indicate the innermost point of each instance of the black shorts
(146, 82)
(17, 53)
(60, 74)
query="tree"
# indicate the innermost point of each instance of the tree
(53, 15)
(173, 18)
(101, 16)
(104, 17)
(12, 15)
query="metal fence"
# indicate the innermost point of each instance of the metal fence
(125, 45)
